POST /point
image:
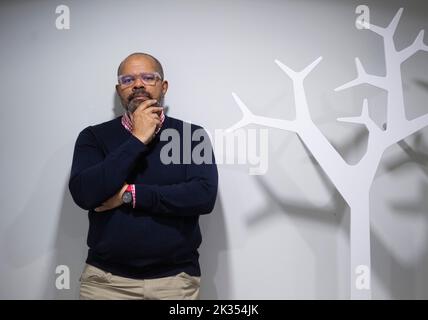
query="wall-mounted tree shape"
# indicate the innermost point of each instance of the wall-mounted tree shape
(353, 182)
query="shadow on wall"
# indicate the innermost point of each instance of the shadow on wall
(398, 276)
(70, 247)
(36, 243)
(335, 214)
(402, 279)
(117, 106)
(395, 275)
(214, 261)
(422, 83)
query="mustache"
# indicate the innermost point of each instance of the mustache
(139, 92)
(132, 104)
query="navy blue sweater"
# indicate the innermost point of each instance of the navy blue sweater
(161, 236)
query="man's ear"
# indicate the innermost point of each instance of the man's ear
(118, 94)
(164, 87)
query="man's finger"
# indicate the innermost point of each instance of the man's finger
(101, 209)
(154, 115)
(153, 109)
(145, 104)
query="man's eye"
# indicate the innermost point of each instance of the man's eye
(127, 80)
(149, 77)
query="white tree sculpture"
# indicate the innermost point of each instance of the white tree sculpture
(353, 182)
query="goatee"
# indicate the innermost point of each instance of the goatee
(134, 103)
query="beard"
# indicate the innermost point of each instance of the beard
(134, 102)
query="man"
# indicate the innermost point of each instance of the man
(143, 214)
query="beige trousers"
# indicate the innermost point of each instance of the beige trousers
(96, 284)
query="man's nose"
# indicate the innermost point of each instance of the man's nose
(138, 83)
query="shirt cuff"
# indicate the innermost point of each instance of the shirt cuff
(133, 195)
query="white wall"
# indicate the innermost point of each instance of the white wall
(281, 235)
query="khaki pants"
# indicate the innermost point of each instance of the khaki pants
(96, 284)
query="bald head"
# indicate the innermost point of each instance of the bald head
(140, 55)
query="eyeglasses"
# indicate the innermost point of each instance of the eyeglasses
(148, 78)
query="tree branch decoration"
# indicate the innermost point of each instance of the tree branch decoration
(353, 182)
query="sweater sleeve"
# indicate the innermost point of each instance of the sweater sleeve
(95, 177)
(194, 196)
